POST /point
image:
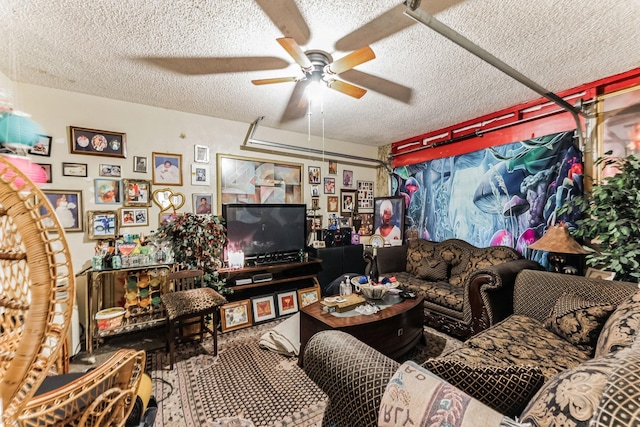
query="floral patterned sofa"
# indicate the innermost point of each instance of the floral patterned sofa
(567, 356)
(465, 288)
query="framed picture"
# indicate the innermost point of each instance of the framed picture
(348, 199)
(42, 147)
(249, 180)
(365, 196)
(315, 191)
(287, 302)
(333, 167)
(200, 174)
(107, 191)
(329, 186)
(97, 142)
(47, 169)
(264, 308)
(314, 175)
(74, 169)
(593, 273)
(366, 224)
(313, 223)
(167, 168)
(344, 222)
(202, 203)
(102, 224)
(315, 203)
(137, 192)
(347, 178)
(236, 315)
(166, 217)
(133, 217)
(201, 154)
(67, 205)
(332, 203)
(110, 170)
(139, 164)
(308, 296)
(167, 199)
(388, 219)
(619, 126)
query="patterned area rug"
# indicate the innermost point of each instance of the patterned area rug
(246, 382)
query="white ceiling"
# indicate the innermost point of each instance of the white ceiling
(101, 48)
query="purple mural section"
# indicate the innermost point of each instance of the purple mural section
(506, 195)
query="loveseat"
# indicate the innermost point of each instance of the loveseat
(567, 356)
(465, 288)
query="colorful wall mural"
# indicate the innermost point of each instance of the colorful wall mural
(506, 195)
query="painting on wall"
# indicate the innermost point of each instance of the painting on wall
(249, 180)
(67, 205)
(503, 195)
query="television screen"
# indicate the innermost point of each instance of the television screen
(265, 229)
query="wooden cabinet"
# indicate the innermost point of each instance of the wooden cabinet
(137, 290)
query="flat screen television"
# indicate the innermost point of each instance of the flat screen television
(267, 231)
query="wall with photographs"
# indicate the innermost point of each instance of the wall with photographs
(172, 135)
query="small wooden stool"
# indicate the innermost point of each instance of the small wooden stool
(190, 304)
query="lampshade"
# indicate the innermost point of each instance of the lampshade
(33, 171)
(19, 130)
(558, 239)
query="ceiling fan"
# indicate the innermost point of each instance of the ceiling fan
(316, 65)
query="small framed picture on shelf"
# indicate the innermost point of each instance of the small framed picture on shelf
(287, 303)
(139, 164)
(593, 273)
(47, 169)
(42, 147)
(308, 296)
(236, 315)
(264, 308)
(102, 224)
(74, 169)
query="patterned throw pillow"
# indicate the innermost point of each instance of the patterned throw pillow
(434, 270)
(507, 388)
(621, 328)
(578, 320)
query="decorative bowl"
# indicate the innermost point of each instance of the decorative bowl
(370, 291)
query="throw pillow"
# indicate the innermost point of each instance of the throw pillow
(433, 269)
(579, 321)
(506, 388)
(621, 328)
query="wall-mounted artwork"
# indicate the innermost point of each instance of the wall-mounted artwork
(137, 192)
(97, 142)
(108, 191)
(365, 196)
(102, 224)
(248, 180)
(42, 147)
(167, 168)
(67, 205)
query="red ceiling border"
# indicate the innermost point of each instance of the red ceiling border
(524, 121)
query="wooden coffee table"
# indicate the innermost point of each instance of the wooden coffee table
(392, 331)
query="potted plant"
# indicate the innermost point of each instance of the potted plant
(611, 218)
(198, 242)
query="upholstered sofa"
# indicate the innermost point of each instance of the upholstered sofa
(567, 356)
(465, 288)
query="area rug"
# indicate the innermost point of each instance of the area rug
(245, 384)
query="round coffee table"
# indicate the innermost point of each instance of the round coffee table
(392, 331)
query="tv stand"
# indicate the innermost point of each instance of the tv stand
(284, 275)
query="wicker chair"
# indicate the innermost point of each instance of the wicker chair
(188, 305)
(37, 291)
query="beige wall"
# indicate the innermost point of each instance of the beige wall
(150, 129)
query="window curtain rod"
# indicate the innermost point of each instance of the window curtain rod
(249, 139)
(426, 19)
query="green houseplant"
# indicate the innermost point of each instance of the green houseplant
(198, 242)
(611, 218)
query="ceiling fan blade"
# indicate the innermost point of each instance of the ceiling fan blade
(196, 66)
(390, 22)
(274, 80)
(378, 84)
(296, 53)
(353, 59)
(287, 17)
(297, 105)
(346, 88)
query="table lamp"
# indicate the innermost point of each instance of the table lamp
(558, 242)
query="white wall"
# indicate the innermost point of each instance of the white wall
(150, 129)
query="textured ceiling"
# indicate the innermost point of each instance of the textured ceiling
(103, 48)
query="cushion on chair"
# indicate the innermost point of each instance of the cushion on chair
(506, 388)
(192, 301)
(621, 328)
(433, 269)
(578, 320)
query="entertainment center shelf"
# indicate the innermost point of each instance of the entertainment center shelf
(301, 274)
